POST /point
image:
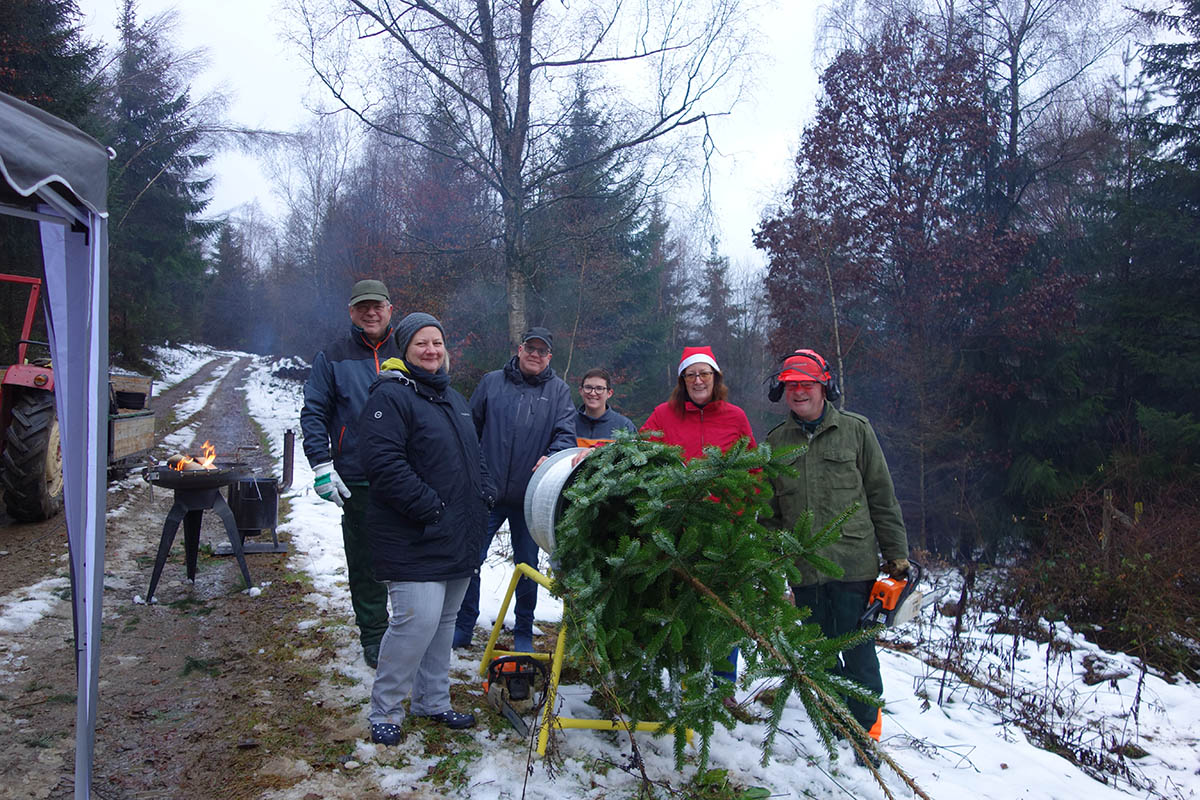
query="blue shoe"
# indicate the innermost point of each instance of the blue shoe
(522, 642)
(461, 640)
(452, 719)
(386, 733)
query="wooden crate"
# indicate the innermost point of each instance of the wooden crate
(131, 391)
(129, 433)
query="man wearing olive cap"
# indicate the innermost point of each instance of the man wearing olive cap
(334, 397)
(843, 465)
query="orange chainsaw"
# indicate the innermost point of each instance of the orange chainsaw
(510, 688)
(894, 601)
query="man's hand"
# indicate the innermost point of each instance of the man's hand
(896, 569)
(580, 456)
(329, 484)
(539, 462)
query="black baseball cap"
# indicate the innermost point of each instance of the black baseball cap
(538, 333)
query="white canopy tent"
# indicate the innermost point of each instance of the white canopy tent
(57, 175)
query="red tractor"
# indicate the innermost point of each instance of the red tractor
(30, 451)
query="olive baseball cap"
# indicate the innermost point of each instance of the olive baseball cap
(369, 290)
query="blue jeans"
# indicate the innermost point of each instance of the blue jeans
(731, 673)
(414, 656)
(525, 551)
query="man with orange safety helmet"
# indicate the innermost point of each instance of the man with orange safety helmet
(843, 465)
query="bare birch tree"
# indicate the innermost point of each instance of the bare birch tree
(499, 70)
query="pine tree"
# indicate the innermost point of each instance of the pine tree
(718, 313)
(156, 241)
(664, 567)
(663, 326)
(229, 315)
(594, 284)
(44, 60)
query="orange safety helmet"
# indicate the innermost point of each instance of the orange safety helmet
(803, 365)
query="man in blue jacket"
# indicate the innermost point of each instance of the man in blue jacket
(523, 414)
(334, 397)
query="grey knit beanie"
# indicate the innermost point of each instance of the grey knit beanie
(407, 328)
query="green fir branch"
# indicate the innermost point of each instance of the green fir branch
(665, 566)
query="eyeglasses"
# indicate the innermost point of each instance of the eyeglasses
(801, 386)
(539, 352)
(593, 389)
(703, 375)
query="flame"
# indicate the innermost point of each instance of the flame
(204, 462)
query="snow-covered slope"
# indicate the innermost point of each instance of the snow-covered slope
(958, 735)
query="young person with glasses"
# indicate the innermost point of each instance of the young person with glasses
(596, 422)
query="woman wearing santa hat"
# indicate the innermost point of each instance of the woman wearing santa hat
(697, 416)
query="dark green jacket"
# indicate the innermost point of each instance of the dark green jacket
(843, 465)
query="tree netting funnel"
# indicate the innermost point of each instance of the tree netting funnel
(543, 496)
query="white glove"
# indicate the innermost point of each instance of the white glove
(329, 484)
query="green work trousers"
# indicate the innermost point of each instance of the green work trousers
(368, 596)
(836, 607)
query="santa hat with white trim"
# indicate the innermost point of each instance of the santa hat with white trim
(697, 355)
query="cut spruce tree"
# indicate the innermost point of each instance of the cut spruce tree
(665, 567)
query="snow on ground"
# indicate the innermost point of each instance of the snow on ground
(177, 363)
(23, 607)
(968, 744)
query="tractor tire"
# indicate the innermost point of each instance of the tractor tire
(33, 478)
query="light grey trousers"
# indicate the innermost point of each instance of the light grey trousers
(414, 656)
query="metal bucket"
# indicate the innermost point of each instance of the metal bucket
(543, 496)
(255, 504)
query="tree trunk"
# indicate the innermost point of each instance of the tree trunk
(515, 288)
(837, 338)
(510, 140)
(922, 533)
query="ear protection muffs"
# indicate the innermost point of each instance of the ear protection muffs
(826, 377)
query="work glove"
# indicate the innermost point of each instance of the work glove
(329, 484)
(897, 569)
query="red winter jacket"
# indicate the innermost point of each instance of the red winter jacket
(717, 423)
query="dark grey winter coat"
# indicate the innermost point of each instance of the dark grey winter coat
(602, 428)
(430, 489)
(334, 396)
(519, 420)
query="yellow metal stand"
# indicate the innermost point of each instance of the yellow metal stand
(556, 662)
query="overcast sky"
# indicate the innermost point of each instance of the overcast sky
(250, 61)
